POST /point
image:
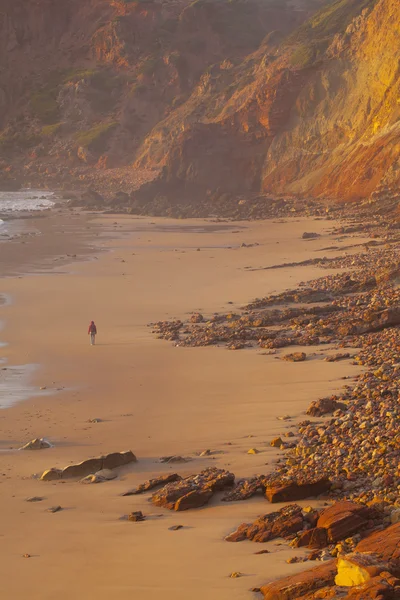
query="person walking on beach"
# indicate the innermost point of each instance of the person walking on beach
(92, 331)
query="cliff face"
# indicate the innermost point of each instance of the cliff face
(293, 97)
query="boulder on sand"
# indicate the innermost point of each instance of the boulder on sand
(193, 491)
(287, 490)
(90, 466)
(343, 519)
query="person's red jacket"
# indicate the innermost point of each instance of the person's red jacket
(92, 328)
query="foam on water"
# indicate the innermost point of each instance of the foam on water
(24, 200)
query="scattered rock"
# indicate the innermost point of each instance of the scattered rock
(295, 357)
(253, 451)
(337, 357)
(136, 516)
(276, 442)
(310, 235)
(54, 509)
(174, 459)
(34, 499)
(236, 574)
(175, 527)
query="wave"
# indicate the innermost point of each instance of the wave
(25, 200)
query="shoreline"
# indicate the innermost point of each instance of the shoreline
(152, 412)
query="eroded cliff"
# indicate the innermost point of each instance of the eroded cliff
(203, 98)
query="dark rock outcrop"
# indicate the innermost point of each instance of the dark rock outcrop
(193, 491)
(286, 522)
(282, 490)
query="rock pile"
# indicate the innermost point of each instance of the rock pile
(358, 448)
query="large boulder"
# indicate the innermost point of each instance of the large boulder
(357, 568)
(287, 490)
(90, 466)
(297, 586)
(343, 519)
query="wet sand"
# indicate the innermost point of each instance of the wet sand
(152, 398)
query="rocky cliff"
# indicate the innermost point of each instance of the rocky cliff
(204, 99)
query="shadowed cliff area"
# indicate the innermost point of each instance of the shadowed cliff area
(185, 101)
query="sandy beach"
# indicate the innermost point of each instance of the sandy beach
(151, 397)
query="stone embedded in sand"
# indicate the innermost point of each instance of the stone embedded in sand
(106, 474)
(174, 459)
(54, 509)
(282, 490)
(310, 235)
(358, 568)
(193, 491)
(295, 357)
(297, 586)
(253, 451)
(136, 516)
(90, 466)
(92, 479)
(37, 444)
(236, 574)
(34, 499)
(337, 357)
(153, 483)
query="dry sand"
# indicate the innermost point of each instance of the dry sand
(152, 398)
